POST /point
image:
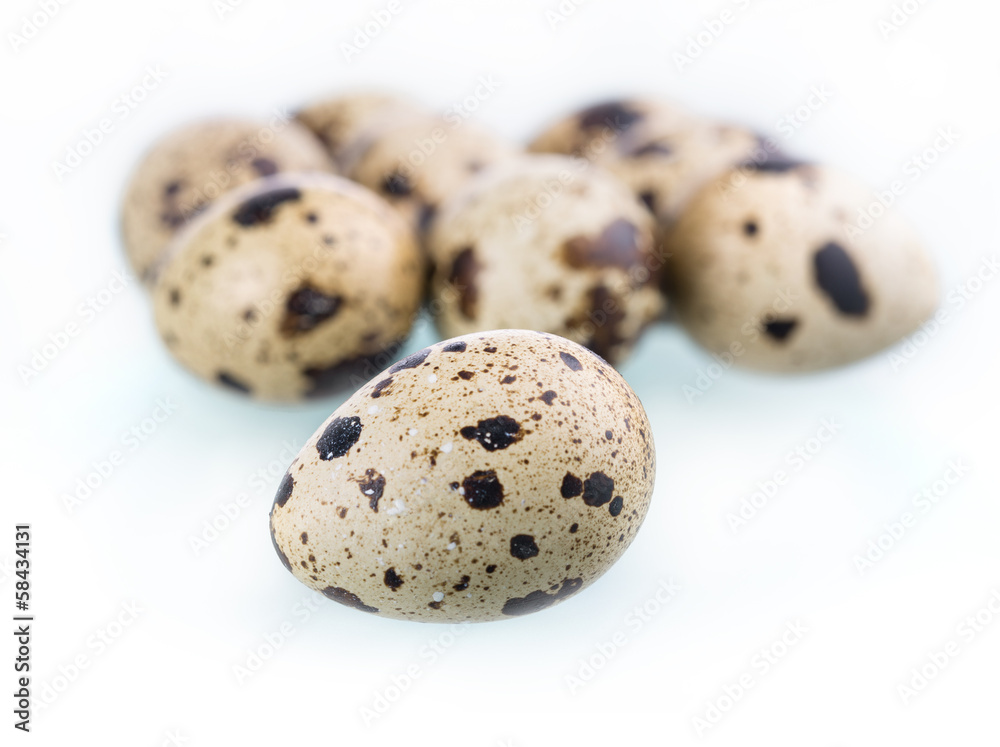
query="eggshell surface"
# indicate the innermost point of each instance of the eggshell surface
(190, 168)
(289, 287)
(547, 243)
(482, 478)
(766, 265)
(342, 122)
(663, 154)
(417, 162)
(592, 131)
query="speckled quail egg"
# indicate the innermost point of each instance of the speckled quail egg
(342, 122)
(663, 155)
(485, 477)
(665, 165)
(190, 168)
(593, 131)
(417, 162)
(289, 286)
(769, 265)
(548, 243)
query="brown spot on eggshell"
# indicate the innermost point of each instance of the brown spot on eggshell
(618, 245)
(306, 308)
(494, 433)
(260, 209)
(598, 489)
(347, 598)
(372, 485)
(338, 437)
(538, 600)
(571, 487)
(571, 361)
(381, 386)
(481, 490)
(277, 548)
(228, 380)
(523, 546)
(285, 489)
(410, 361)
(392, 580)
(464, 273)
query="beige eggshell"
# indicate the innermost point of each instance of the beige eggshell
(485, 477)
(663, 154)
(548, 243)
(183, 173)
(342, 122)
(289, 286)
(766, 264)
(592, 132)
(666, 164)
(417, 162)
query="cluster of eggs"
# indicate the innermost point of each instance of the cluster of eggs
(283, 256)
(502, 470)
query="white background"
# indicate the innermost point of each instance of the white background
(169, 675)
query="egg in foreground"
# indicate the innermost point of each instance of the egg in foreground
(485, 477)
